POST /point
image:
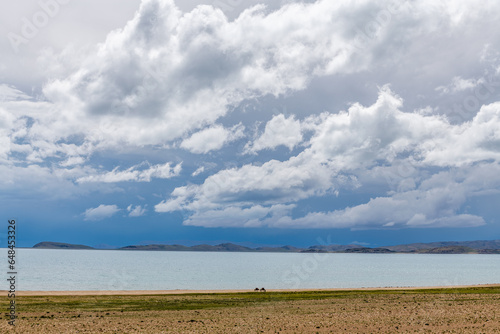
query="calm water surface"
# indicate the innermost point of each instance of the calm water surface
(155, 270)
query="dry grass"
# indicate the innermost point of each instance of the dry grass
(471, 310)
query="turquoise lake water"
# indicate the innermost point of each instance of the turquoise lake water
(153, 270)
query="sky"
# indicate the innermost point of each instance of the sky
(283, 122)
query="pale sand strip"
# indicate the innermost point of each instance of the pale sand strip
(172, 292)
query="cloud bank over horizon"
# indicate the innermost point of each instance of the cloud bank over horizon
(308, 115)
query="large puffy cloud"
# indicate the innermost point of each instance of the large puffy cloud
(272, 183)
(167, 80)
(472, 141)
(26, 126)
(168, 73)
(349, 145)
(382, 132)
(437, 202)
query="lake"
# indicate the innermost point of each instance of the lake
(58, 270)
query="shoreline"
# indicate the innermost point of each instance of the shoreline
(185, 291)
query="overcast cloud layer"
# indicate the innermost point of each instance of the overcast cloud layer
(245, 120)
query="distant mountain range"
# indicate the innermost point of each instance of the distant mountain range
(445, 247)
(59, 245)
(226, 247)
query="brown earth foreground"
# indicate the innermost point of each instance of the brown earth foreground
(432, 310)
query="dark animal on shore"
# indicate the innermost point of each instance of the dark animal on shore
(262, 290)
(256, 289)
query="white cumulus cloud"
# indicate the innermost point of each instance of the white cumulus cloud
(169, 83)
(351, 144)
(198, 171)
(212, 138)
(278, 131)
(136, 211)
(160, 171)
(101, 212)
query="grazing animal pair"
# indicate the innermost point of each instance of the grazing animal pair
(257, 289)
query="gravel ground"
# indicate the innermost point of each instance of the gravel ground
(360, 313)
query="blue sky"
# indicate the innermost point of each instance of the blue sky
(288, 122)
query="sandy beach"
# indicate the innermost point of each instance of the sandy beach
(170, 292)
(457, 309)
